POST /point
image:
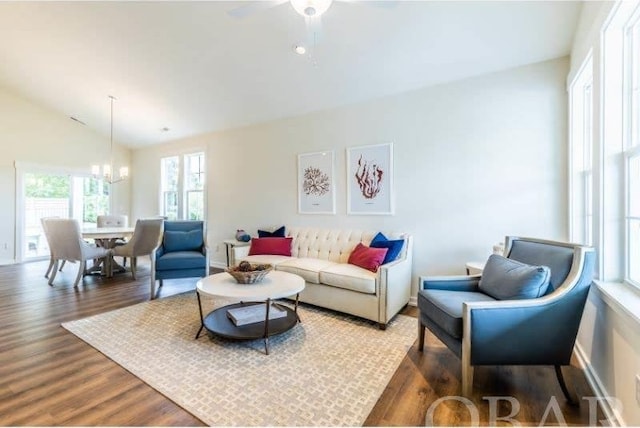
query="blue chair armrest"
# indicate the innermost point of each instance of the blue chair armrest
(523, 332)
(159, 251)
(450, 283)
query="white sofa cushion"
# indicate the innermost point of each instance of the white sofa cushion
(266, 259)
(327, 244)
(349, 277)
(307, 268)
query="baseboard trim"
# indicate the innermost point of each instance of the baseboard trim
(7, 262)
(413, 301)
(613, 417)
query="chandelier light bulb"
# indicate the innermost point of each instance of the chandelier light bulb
(311, 8)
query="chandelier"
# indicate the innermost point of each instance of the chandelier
(107, 169)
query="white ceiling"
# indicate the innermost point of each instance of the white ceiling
(192, 68)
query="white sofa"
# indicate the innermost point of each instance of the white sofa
(320, 256)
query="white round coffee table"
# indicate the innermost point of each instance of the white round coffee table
(256, 300)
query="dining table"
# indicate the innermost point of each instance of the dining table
(107, 237)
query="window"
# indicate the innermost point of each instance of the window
(633, 217)
(605, 148)
(169, 186)
(182, 194)
(44, 192)
(581, 152)
(95, 198)
(632, 149)
(194, 186)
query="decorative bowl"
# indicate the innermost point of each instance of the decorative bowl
(255, 274)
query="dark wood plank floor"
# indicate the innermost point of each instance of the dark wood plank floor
(50, 377)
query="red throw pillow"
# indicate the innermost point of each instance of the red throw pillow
(367, 258)
(270, 246)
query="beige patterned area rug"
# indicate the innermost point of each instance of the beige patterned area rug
(327, 371)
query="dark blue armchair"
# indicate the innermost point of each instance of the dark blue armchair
(482, 327)
(183, 253)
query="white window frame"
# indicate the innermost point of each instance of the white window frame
(581, 154)
(587, 168)
(631, 123)
(629, 155)
(164, 191)
(611, 140)
(182, 185)
(187, 189)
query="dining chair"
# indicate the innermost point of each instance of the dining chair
(113, 220)
(66, 243)
(146, 237)
(43, 221)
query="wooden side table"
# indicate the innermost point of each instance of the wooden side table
(229, 244)
(474, 268)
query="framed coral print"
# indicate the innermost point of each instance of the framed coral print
(316, 187)
(370, 180)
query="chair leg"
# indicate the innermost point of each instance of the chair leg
(563, 386)
(81, 268)
(51, 262)
(134, 266)
(124, 262)
(421, 329)
(152, 281)
(62, 265)
(53, 272)
(467, 380)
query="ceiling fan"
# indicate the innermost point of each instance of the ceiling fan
(306, 8)
(311, 10)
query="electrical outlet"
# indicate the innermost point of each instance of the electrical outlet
(638, 389)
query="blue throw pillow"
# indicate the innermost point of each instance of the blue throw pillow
(506, 279)
(278, 233)
(393, 246)
(182, 241)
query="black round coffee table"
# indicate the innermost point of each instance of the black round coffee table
(275, 285)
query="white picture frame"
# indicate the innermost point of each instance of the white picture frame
(370, 180)
(316, 183)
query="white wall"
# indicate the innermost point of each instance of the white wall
(32, 134)
(609, 338)
(474, 160)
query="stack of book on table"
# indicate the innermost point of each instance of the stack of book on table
(254, 313)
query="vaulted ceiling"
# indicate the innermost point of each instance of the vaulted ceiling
(192, 68)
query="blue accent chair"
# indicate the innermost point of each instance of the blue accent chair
(183, 253)
(482, 330)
